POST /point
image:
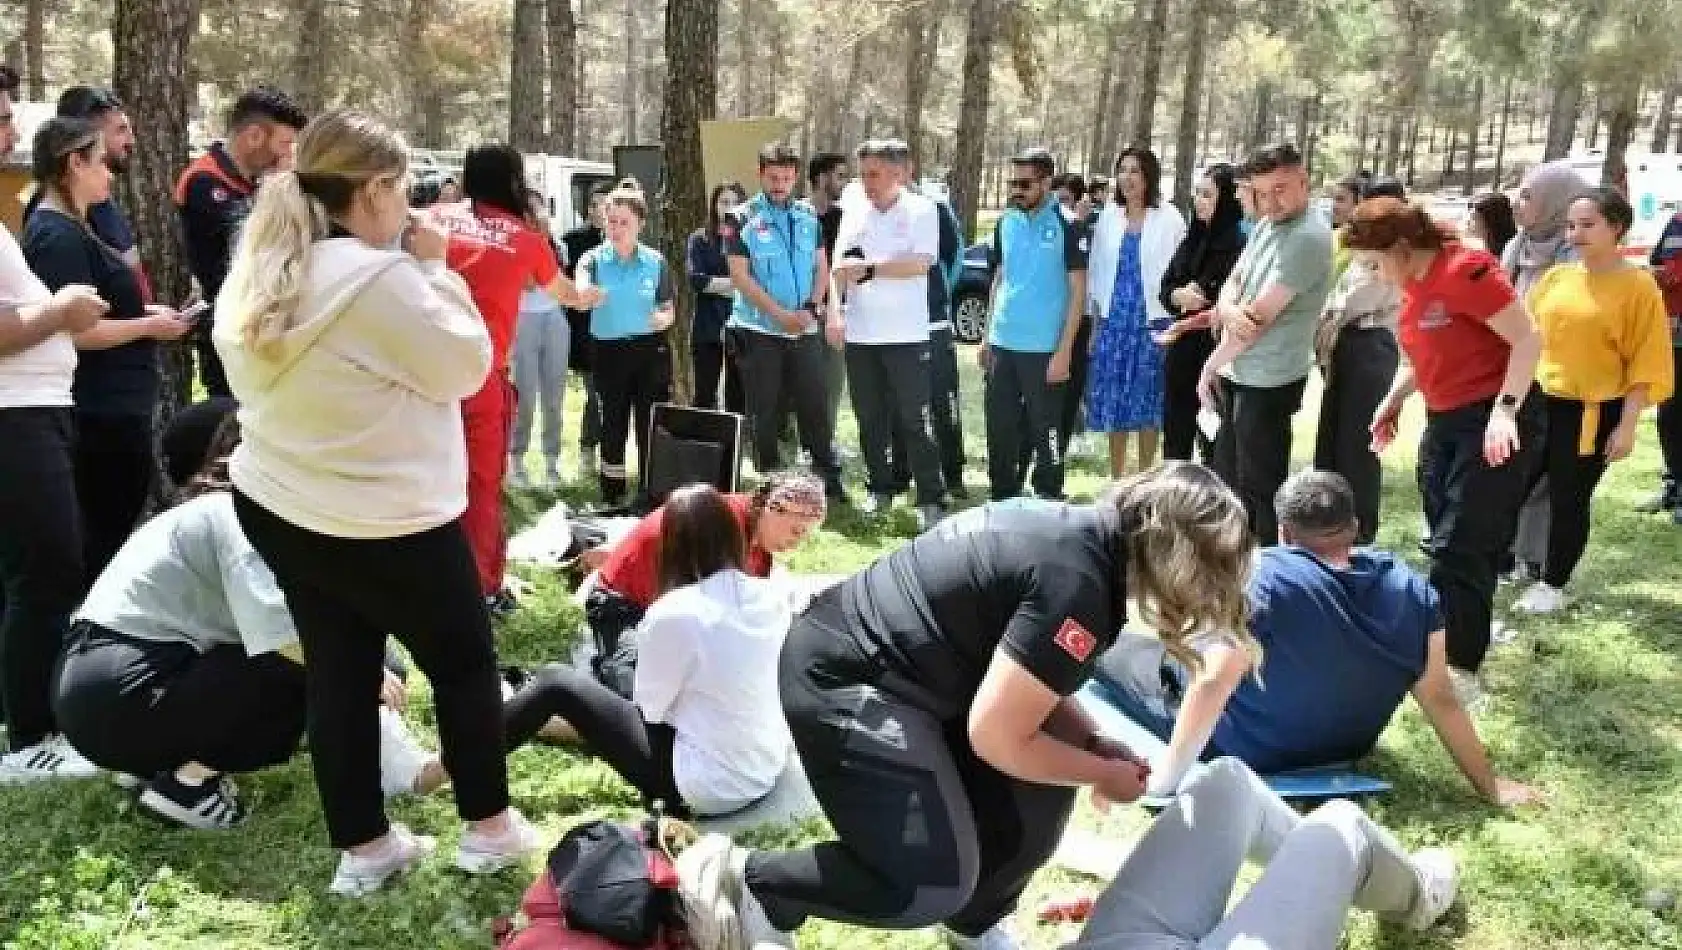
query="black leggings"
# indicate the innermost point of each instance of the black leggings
(344, 596)
(114, 470)
(1572, 479)
(1363, 365)
(610, 726)
(40, 563)
(711, 364)
(631, 375)
(1182, 365)
(1670, 427)
(145, 706)
(925, 831)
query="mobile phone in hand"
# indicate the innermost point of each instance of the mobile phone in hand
(192, 312)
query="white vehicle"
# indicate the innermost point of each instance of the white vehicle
(565, 185)
(1655, 190)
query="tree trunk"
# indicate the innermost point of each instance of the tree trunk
(630, 92)
(1665, 116)
(563, 72)
(746, 52)
(416, 67)
(1620, 130)
(1413, 149)
(1474, 117)
(1568, 79)
(1306, 115)
(972, 113)
(1262, 119)
(691, 97)
(1185, 142)
(310, 57)
(151, 69)
(923, 35)
(1363, 136)
(1101, 120)
(35, 48)
(1501, 138)
(1595, 118)
(526, 69)
(1150, 73)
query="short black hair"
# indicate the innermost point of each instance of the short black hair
(9, 80)
(1613, 206)
(778, 155)
(266, 104)
(822, 164)
(495, 175)
(1098, 183)
(87, 102)
(1273, 158)
(1316, 504)
(892, 151)
(1040, 161)
(1384, 186)
(1149, 166)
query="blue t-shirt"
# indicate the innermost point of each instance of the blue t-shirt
(1341, 648)
(781, 245)
(1034, 253)
(635, 289)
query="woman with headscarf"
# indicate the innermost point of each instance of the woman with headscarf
(1200, 267)
(1544, 198)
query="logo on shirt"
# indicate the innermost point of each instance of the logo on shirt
(1048, 235)
(1075, 640)
(648, 287)
(1434, 317)
(219, 194)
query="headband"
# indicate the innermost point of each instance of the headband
(803, 497)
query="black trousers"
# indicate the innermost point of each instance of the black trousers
(1024, 418)
(1472, 511)
(778, 372)
(631, 376)
(1253, 447)
(1670, 429)
(590, 428)
(1182, 364)
(344, 596)
(1572, 479)
(114, 470)
(889, 383)
(1363, 366)
(40, 563)
(145, 707)
(609, 725)
(925, 832)
(946, 415)
(1074, 392)
(610, 616)
(711, 365)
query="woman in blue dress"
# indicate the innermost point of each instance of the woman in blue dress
(1132, 245)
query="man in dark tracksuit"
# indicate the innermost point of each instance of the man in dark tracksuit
(945, 396)
(574, 245)
(214, 194)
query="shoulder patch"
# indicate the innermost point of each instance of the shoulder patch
(1075, 640)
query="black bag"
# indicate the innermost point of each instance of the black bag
(613, 884)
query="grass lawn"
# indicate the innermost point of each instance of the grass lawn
(1585, 706)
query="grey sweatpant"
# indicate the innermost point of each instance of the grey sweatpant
(541, 345)
(1172, 892)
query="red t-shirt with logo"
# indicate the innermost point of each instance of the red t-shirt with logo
(1444, 328)
(632, 570)
(499, 256)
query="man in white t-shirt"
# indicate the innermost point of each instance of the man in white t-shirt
(882, 258)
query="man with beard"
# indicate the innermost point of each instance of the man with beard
(102, 108)
(214, 195)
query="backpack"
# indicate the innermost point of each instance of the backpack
(605, 888)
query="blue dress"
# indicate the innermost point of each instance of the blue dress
(1124, 388)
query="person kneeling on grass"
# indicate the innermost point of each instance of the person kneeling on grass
(183, 665)
(1345, 633)
(703, 731)
(1174, 889)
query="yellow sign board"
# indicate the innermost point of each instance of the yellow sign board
(730, 148)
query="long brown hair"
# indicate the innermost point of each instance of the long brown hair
(699, 536)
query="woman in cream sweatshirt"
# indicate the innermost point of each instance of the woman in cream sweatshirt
(350, 348)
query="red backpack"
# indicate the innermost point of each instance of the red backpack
(606, 888)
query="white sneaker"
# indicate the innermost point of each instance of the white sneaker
(1439, 881)
(1001, 936)
(51, 758)
(402, 758)
(479, 854)
(517, 477)
(1541, 598)
(706, 878)
(359, 876)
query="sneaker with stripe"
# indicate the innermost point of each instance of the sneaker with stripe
(213, 805)
(51, 758)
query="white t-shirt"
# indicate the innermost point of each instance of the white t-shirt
(889, 309)
(190, 576)
(707, 667)
(41, 375)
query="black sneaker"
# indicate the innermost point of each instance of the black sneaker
(212, 806)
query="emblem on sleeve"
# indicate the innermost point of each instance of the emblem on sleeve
(1075, 640)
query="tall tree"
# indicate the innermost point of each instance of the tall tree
(629, 92)
(691, 98)
(922, 20)
(1418, 23)
(563, 77)
(973, 104)
(1101, 114)
(417, 67)
(1570, 63)
(309, 57)
(1185, 143)
(35, 48)
(526, 69)
(1150, 72)
(1666, 115)
(1474, 118)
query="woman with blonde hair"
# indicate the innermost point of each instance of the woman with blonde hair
(930, 700)
(350, 358)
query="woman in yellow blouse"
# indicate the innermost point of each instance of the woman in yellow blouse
(1605, 357)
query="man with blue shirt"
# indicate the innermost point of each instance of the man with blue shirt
(1345, 634)
(1039, 276)
(780, 270)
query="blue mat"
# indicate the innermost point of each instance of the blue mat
(1306, 786)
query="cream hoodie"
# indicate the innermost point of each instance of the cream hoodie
(354, 430)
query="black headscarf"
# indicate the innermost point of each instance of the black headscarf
(1224, 227)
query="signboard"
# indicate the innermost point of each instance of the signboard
(730, 148)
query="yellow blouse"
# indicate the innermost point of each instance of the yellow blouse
(1603, 334)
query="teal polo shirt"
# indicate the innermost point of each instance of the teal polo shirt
(1033, 254)
(636, 287)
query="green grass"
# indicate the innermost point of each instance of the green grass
(1585, 706)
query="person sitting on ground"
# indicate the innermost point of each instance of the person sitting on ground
(183, 665)
(703, 729)
(1345, 633)
(774, 519)
(1175, 887)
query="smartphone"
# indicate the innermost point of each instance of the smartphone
(192, 312)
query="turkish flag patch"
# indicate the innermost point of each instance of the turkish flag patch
(1076, 640)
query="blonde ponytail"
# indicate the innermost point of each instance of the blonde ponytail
(266, 278)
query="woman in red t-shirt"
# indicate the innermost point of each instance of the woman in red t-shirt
(775, 519)
(1471, 352)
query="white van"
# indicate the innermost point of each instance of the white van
(565, 184)
(1655, 190)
